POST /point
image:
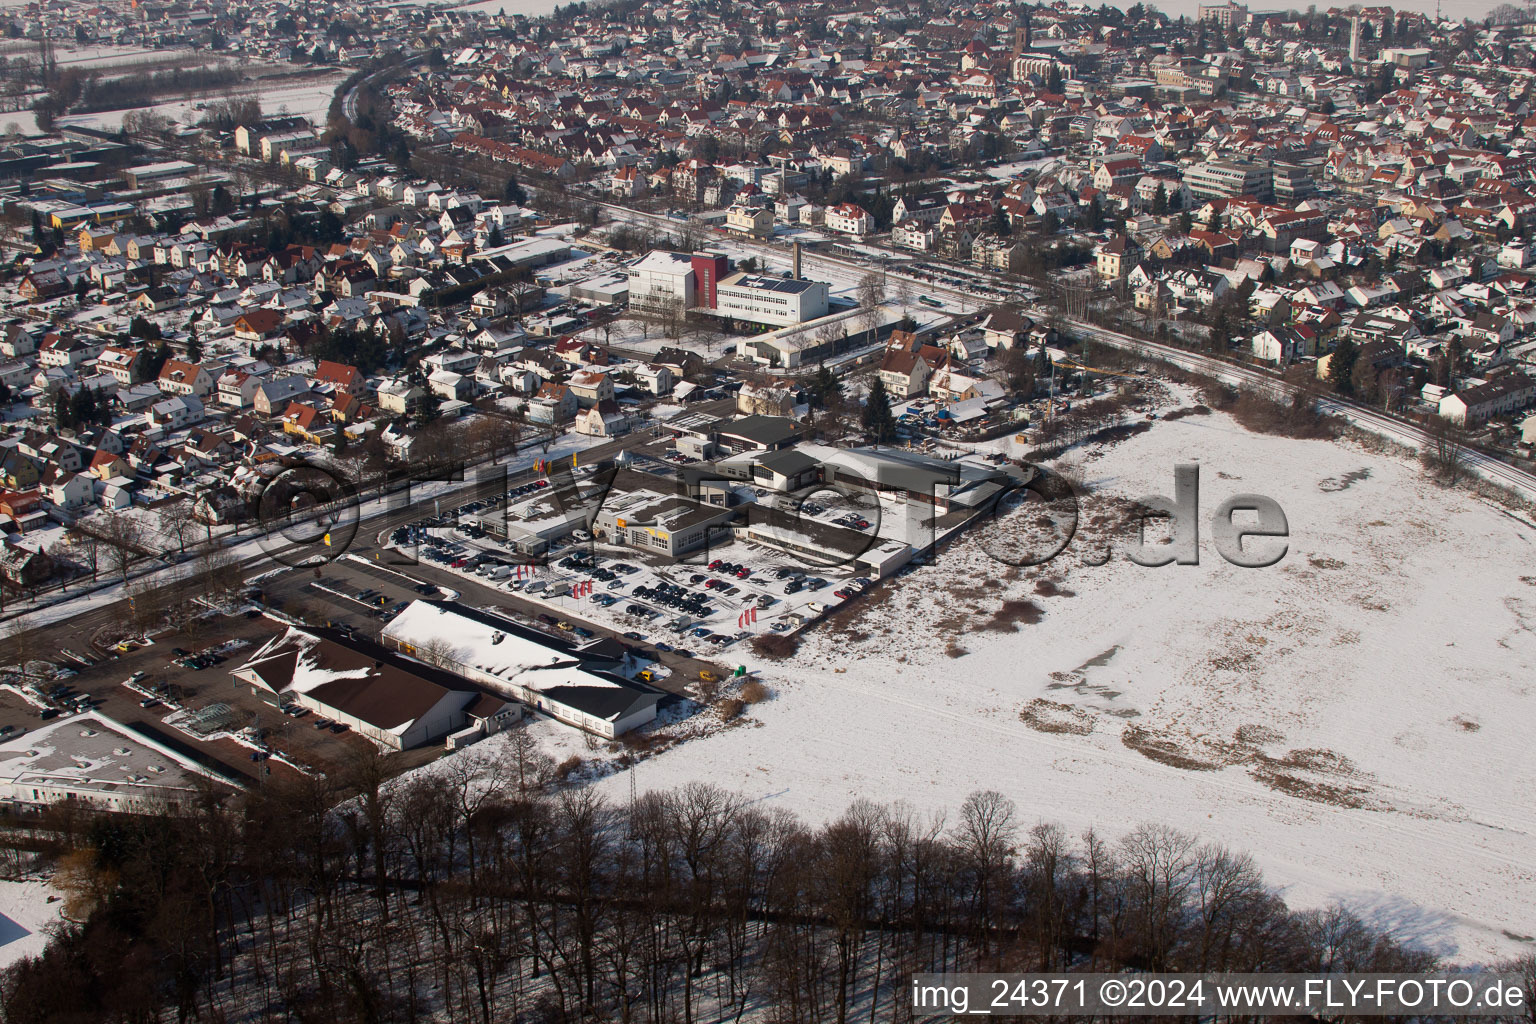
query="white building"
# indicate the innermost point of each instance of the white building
(849, 219)
(93, 760)
(660, 280)
(1506, 393)
(775, 301)
(513, 660)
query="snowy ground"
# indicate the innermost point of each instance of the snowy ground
(308, 96)
(25, 913)
(1336, 715)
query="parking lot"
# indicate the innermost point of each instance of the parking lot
(177, 676)
(701, 606)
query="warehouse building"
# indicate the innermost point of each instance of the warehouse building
(578, 686)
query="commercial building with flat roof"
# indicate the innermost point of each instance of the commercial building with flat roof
(661, 280)
(580, 687)
(772, 301)
(1229, 179)
(662, 524)
(92, 759)
(136, 177)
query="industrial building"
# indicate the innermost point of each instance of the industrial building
(810, 342)
(661, 280)
(702, 282)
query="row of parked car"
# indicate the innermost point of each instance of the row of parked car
(674, 595)
(195, 662)
(62, 700)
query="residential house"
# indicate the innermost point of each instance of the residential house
(904, 372)
(182, 378)
(849, 219)
(1506, 393)
(553, 404)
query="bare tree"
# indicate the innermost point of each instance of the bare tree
(673, 314)
(491, 435)
(1158, 876)
(87, 546)
(986, 836)
(217, 574)
(123, 537)
(19, 645)
(904, 294)
(1444, 452)
(179, 519)
(871, 295)
(439, 651)
(827, 337)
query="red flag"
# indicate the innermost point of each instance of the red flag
(754, 615)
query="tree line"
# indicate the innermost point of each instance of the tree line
(488, 889)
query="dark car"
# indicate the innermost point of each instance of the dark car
(547, 619)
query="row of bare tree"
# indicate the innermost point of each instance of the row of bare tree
(486, 890)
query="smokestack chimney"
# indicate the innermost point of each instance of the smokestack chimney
(797, 261)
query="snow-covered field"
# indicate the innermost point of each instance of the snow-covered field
(308, 96)
(531, 8)
(25, 913)
(1356, 717)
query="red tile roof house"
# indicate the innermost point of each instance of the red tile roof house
(340, 375)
